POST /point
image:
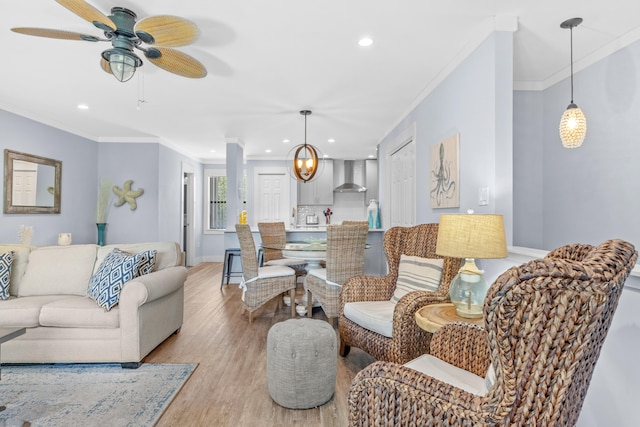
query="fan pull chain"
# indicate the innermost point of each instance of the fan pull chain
(141, 99)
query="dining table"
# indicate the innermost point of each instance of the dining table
(311, 251)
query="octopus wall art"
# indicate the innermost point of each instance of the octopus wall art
(444, 174)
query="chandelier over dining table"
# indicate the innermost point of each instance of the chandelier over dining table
(305, 159)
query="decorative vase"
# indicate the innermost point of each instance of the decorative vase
(372, 213)
(64, 239)
(101, 227)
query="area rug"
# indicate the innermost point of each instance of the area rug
(89, 394)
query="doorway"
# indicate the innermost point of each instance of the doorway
(188, 214)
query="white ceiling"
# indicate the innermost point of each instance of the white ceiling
(267, 60)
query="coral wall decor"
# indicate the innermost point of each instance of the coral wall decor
(127, 195)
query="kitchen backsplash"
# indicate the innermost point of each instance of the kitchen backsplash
(346, 206)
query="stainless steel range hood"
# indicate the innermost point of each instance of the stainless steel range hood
(352, 174)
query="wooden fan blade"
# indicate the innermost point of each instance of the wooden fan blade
(87, 12)
(179, 63)
(167, 30)
(104, 64)
(54, 34)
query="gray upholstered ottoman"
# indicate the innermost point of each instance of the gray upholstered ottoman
(302, 360)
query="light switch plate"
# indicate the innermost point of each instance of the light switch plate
(483, 196)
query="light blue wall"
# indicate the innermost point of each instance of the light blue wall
(475, 101)
(589, 194)
(120, 162)
(152, 167)
(79, 181)
(527, 169)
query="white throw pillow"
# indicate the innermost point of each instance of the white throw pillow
(417, 274)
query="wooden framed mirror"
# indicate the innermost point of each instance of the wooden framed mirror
(32, 184)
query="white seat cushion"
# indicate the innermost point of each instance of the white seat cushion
(321, 273)
(286, 261)
(78, 312)
(376, 316)
(450, 374)
(24, 312)
(274, 271)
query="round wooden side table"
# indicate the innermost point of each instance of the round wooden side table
(433, 317)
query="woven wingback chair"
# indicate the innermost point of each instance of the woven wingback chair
(345, 259)
(275, 234)
(409, 340)
(261, 284)
(545, 323)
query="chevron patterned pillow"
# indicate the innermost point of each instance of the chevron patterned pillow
(116, 269)
(147, 261)
(5, 274)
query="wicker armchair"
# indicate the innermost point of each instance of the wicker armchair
(545, 323)
(409, 341)
(275, 234)
(261, 284)
(345, 259)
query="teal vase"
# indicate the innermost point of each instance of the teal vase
(101, 227)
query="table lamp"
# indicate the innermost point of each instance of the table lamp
(470, 236)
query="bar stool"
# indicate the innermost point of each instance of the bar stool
(227, 270)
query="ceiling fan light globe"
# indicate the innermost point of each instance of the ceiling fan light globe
(123, 67)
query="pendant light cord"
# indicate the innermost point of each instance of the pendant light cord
(571, 38)
(305, 130)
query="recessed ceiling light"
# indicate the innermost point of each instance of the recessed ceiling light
(268, 150)
(371, 156)
(212, 151)
(83, 107)
(325, 155)
(331, 140)
(285, 141)
(365, 42)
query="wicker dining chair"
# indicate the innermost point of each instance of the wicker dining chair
(408, 339)
(261, 284)
(275, 234)
(545, 323)
(345, 259)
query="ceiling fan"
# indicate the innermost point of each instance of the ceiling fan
(125, 33)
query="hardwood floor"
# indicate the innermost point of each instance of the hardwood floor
(229, 386)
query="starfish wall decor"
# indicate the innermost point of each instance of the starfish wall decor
(127, 195)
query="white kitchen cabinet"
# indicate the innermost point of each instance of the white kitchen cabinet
(320, 190)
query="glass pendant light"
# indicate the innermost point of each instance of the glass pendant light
(573, 124)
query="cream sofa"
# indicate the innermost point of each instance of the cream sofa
(48, 291)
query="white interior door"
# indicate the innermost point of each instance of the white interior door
(271, 200)
(25, 180)
(403, 187)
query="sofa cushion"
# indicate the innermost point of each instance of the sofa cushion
(376, 316)
(417, 274)
(168, 253)
(6, 259)
(116, 269)
(78, 312)
(24, 312)
(19, 265)
(58, 270)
